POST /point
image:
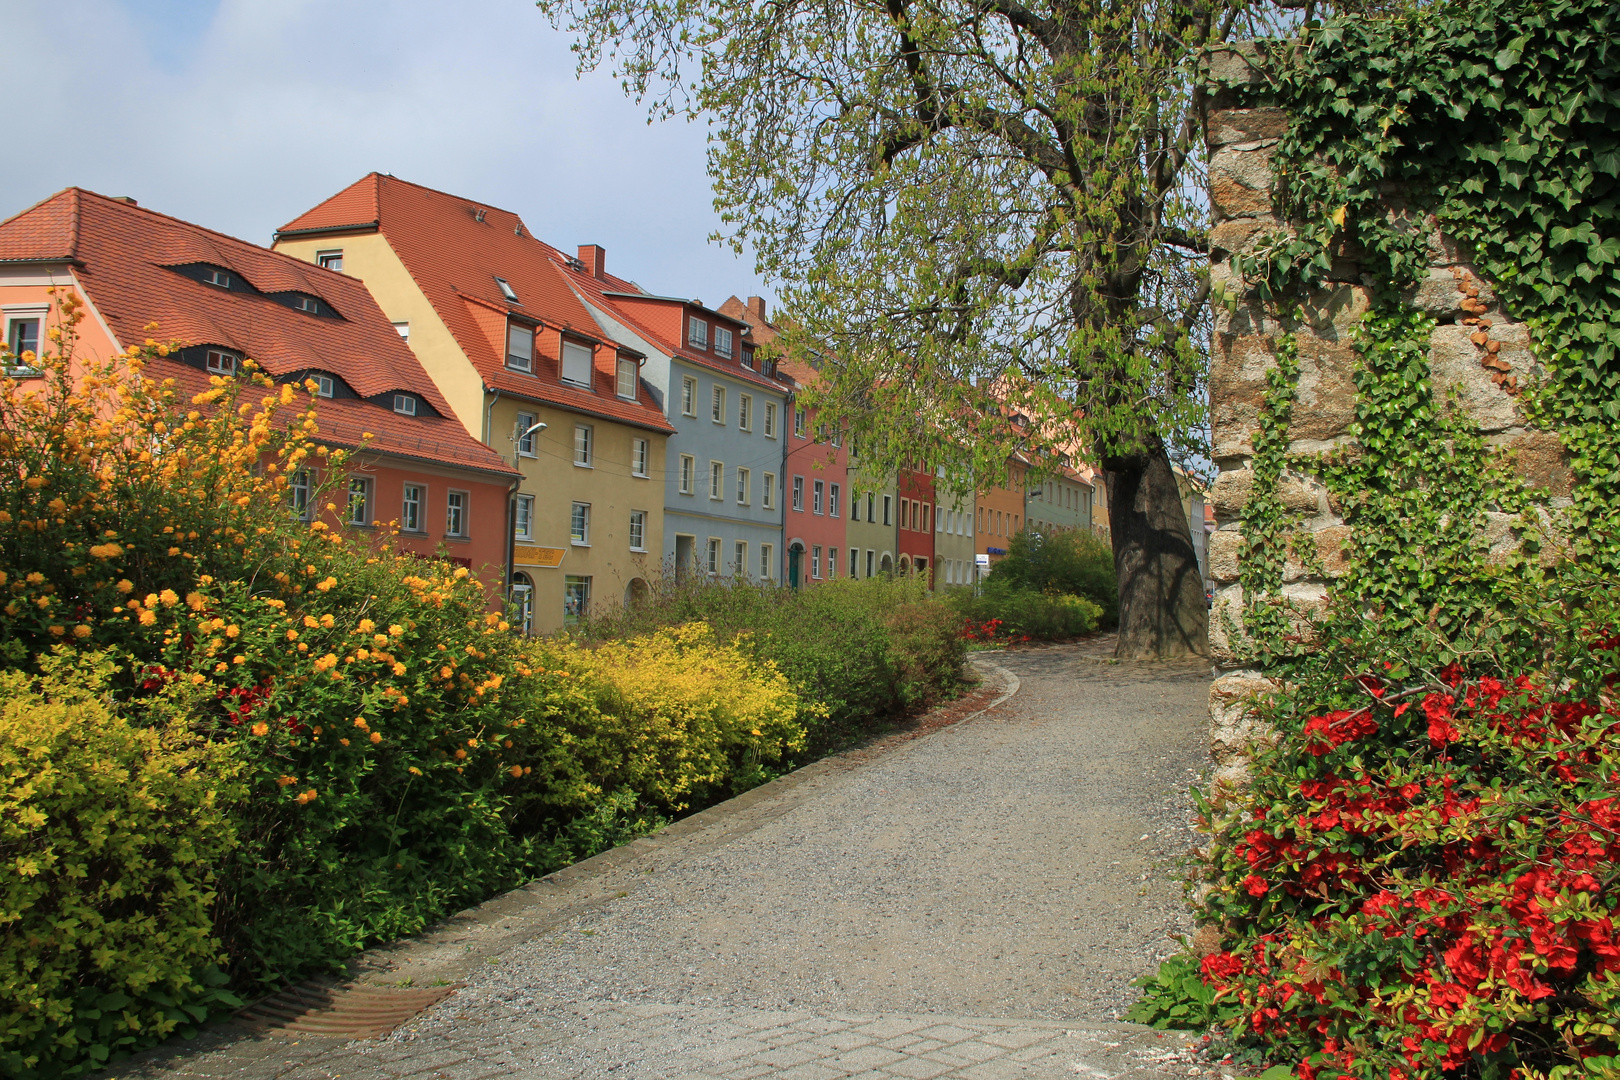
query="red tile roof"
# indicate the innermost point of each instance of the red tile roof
(766, 333)
(455, 248)
(127, 258)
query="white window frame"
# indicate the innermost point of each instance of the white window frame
(412, 499)
(638, 530)
(576, 586)
(330, 259)
(688, 473)
(854, 562)
(403, 329)
(711, 556)
(770, 419)
(523, 518)
(219, 279)
(457, 511)
(640, 457)
(697, 333)
(571, 359)
(742, 486)
(359, 486)
(888, 509)
(798, 494)
(325, 385)
(745, 412)
(520, 347)
(722, 341)
(818, 496)
(525, 442)
(579, 524)
(739, 551)
(25, 313)
(815, 561)
(717, 479)
(300, 493)
(767, 497)
(832, 563)
(523, 600)
(507, 290)
(766, 569)
(308, 304)
(625, 364)
(717, 404)
(584, 446)
(220, 362)
(799, 423)
(833, 491)
(688, 396)
(405, 404)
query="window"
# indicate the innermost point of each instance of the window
(359, 501)
(455, 513)
(523, 517)
(717, 479)
(832, 501)
(854, 562)
(798, 423)
(330, 260)
(217, 277)
(298, 489)
(638, 530)
(638, 457)
(939, 521)
(688, 467)
(22, 336)
(579, 525)
(905, 512)
(582, 445)
(576, 364)
(888, 509)
(507, 290)
(576, 598)
(870, 554)
(307, 303)
(722, 342)
(927, 519)
(325, 385)
(765, 567)
(525, 434)
(745, 412)
(405, 404)
(224, 363)
(854, 506)
(688, 397)
(767, 497)
(628, 377)
(838, 437)
(740, 560)
(523, 602)
(770, 419)
(712, 555)
(519, 347)
(697, 334)
(815, 560)
(403, 329)
(747, 357)
(817, 495)
(798, 493)
(410, 509)
(717, 405)
(742, 487)
(832, 562)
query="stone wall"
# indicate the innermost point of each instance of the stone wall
(1475, 349)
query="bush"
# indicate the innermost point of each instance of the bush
(1421, 877)
(111, 834)
(998, 612)
(1072, 563)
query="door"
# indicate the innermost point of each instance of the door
(795, 565)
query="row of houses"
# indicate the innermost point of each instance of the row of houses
(556, 428)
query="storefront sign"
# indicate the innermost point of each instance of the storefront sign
(524, 555)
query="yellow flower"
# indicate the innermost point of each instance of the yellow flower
(327, 662)
(461, 755)
(58, 631)
(81, 631)
(380, 640)
(292, 635)
(376, 736)
(393, 631)
(37, 578)
(516, 771)
(148, 618)
(345, 742)
(414, 771)
(196, 601)
(286, 781)
(326, 586)
(309, 621)
(366, 626)
(399, 669)
(233, 631)
(174, 551)
(239, 660)
(199, 679)
(307, 797)
(261, 728)
(327, 621)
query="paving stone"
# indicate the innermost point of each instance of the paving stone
(918, 1068)
(868, 1057)
(1014, 1038)
(812, 1071)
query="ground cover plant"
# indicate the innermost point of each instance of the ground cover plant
(1049, 586)
(364, 744)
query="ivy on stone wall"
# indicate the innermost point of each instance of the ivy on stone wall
(1499, 122)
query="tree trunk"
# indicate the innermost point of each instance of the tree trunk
(1163, 612)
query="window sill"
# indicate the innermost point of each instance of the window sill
(578, 543)
(357, 525)
(638, 551)
(583, 465)
(414, 534)
(576, 386)
(640, 476)
(529, 371)
(458, 539)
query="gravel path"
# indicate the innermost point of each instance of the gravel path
(972, 903)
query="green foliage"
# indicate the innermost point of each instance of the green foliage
(998, 613)
(1079, 563)
(1176, 996)
(111, 834)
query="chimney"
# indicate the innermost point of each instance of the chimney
(595, 260)
(125, 199)
(756, 308)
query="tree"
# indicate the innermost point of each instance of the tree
(988, 222)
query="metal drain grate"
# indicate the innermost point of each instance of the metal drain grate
(348, 1011)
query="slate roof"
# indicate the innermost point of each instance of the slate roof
(130, 261)
(455, 248)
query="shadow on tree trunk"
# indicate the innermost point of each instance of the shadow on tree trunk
(1163, 613)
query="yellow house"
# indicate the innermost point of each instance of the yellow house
(522, 364)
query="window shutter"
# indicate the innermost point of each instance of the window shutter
(576, 363)
(520, 346)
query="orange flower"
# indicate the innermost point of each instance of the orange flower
(286, 781)
(261, 728)
(376, 736)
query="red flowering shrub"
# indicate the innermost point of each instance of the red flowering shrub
(1423, 877)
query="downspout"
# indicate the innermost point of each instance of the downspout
(782, 478)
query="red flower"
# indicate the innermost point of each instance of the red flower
(1256, 885)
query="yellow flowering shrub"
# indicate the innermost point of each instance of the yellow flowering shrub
(109, 836)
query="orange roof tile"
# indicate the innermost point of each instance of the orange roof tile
(129, 261)
(455, 249)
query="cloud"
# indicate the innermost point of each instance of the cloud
(240, 114)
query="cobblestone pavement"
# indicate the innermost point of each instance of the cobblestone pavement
(971, 903)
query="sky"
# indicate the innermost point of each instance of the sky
(241, 114)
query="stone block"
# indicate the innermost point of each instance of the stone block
(1236, 234)
(1228, 642)
(1452, 292)
(1233, 729)
(1298, 495)
(1461, 381)
(1240, 181)
(1223, 551)
(1443, 250)
(1237, 388)
(1227, 126)
(1332, 313)
(1234, 65)
(1333, 549)
(1229, 493)
(1325, 397)
(1539, 457)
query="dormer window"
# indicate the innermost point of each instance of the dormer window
(747, 357)
(325, 385)
(330, 260)
(507, 290)
(307, 303)
(405, 404)
(213, 276)
(697, 334)
(722, 342)
(627, 378)
(221, 362)
(519, 347)
(576, 364)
